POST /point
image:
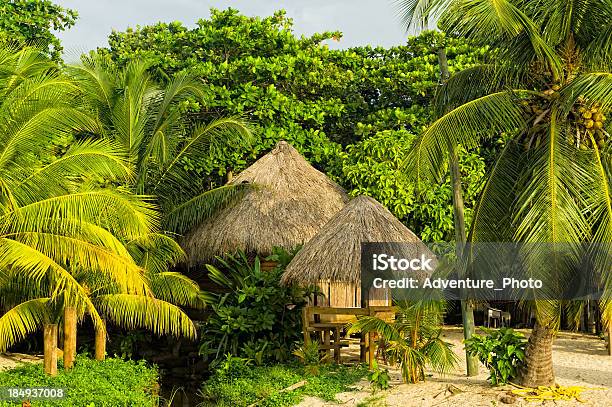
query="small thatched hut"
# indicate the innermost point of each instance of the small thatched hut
(291, 201)
(332, 258)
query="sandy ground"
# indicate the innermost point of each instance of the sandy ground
(10, 360)
(579, 360)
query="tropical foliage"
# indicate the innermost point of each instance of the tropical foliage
(413, 339)
(112, 382)
(33, 23)
(334, 106)
(502, 351)
(241, 384)
(65, 239)
(547, 89)
(253, 316)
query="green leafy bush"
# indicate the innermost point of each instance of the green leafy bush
(113, 382)
(311, 357)
(502, 351)
(253, 316)
(379, 378)
(267, 385)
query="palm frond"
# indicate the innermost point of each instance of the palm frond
(177, 289)
(24, 319)
(136, 311)
(465, 125)
(190, 213)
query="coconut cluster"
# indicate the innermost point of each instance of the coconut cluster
(590, 120)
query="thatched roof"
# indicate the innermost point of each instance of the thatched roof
(334, 254)
(291, 202)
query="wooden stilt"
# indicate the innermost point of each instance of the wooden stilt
(305, 321)
(371, 349)
(326, 341)
(100, 344)
(50, 349)
(70, 336)
(610, 338)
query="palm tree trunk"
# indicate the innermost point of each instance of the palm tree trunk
(467, 310)
(50, 349)
(610, 338)
(538, 358)
(70, 336)
(100, 343)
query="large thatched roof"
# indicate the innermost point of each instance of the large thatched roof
(334, 254)
(291, 202)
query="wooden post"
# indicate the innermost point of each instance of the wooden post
(362, 347)
(50, 349)
(337, 344)
(70, 336)
(610, 338)
(371, 349)
(371, 343)
(100, 343)
(326, 341)
(305, 319)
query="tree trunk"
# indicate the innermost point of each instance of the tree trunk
(610, 338)
(100, 344)
(538, 358)
(467, 310)
(70, 336)
(50, 349)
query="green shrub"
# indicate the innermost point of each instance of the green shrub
(502, 351)
(265, 384)
(111, 383)
(379, 378)
(254, 316)
(311, 357)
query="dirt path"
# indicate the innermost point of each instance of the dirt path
(10, 360)
(579, 360)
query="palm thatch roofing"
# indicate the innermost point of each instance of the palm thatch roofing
(290, 203)
(334, 254)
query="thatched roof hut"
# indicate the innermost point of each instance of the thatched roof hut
(291, 202)
(334, 254)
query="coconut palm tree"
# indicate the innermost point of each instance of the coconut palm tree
(546, 87)
(412, 340)
(154, 131)
(157, 134)
(56, 218)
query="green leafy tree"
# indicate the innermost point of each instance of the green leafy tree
(546, 87)
(32, 22)
(327, 103)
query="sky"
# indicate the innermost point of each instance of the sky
(362, 22)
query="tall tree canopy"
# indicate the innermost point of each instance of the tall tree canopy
(32, 22)
(327, 103)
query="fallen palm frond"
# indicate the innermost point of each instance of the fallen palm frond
(556, 392)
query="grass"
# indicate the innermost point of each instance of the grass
(263, 385)
(113, 382)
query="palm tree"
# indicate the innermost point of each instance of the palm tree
(412, 340)
(57, 222)
(157, 134)
(154, 131)
(546, 87)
